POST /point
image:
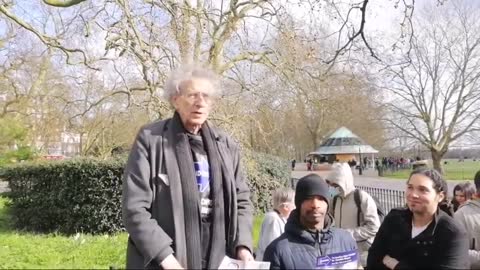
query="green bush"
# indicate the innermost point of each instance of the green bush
(23, 153)
(66, 196)
(84, 195)
(265, 173)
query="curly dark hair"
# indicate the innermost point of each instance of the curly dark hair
(439, 184)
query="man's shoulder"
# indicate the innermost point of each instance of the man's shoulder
(156, 127)
(470, 206)
(279, 244)
(341, 234)
(365, 196)
(271, 215)
(449, 225)
(399, 211)
(397, 214)
(271, 218)
(337, 231)
(466, 210)
(223, 137)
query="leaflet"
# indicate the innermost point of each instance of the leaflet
(341, 260)
(229, 263)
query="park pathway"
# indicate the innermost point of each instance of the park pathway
(369, 179)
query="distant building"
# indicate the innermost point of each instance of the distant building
(67, 144)
(343, 145)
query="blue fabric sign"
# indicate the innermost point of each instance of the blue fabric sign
(203, 175)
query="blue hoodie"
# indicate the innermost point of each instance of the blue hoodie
(298, 248)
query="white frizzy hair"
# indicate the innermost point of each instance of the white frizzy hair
(186, 73)
(281, 196)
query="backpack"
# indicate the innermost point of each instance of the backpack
(358, 202)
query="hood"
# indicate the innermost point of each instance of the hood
(295, 228)
(341, 175)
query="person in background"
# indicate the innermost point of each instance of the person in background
(310, 164)
(446, 204)
(309, 240)
(420, 236)
(461, 194)
(363, 224)
(273, 224)
(185, 202)
(469, 216)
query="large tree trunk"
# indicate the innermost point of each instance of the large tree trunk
(437, 160)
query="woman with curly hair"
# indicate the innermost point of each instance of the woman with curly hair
(420, 236)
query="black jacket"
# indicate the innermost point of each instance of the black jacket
(298, 248)
(442, 245)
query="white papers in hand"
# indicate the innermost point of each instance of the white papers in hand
(229, 263)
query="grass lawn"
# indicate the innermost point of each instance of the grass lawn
(454, 170)
(28, 250)
(257, 225)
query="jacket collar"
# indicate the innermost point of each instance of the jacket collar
(430, 230)
(176, 117)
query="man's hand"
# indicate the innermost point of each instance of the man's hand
(390, 262)
(244, 254)
(170, 262)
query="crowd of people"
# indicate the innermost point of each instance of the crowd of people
(186, 204)
(394, 163)
(386, 163)
(419, 236)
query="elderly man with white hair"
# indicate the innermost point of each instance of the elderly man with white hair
(185, 200)
(273, 224)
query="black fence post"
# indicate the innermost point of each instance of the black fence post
(388, 198)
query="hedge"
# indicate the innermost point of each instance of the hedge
(84, 195)
(66, 196)
(265, 173)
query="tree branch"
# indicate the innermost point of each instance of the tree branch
(47, 40)
(351, 39)
(63, 3)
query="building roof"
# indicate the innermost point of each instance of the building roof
(344, 141)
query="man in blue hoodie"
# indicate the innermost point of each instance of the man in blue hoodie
(309, 241)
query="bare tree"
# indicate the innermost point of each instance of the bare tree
(144, 40)
(297, 104)
(193, 23)
(434, 94)
(134, 44)
(33, 94)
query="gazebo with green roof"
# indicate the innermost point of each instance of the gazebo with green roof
(343, 145)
